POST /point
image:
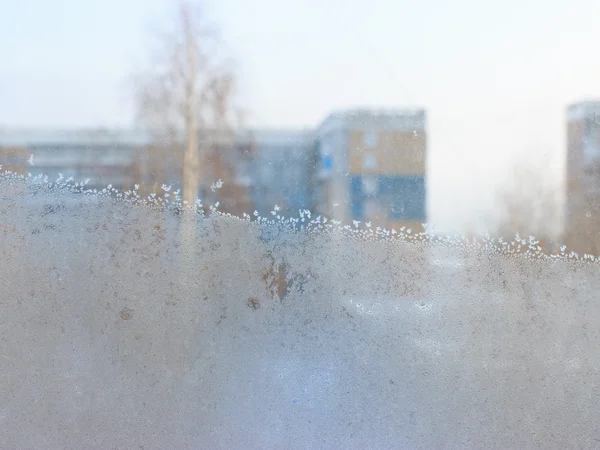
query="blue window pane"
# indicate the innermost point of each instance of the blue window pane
(402, 196)
(356, 198)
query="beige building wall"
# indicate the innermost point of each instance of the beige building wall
(395, 153)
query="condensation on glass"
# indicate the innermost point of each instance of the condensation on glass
(137, 322)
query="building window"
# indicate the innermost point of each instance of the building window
(369, 162)
(370, 209)
(327, 163)
(369, 185)
(370, 139)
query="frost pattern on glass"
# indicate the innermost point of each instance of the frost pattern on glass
(126, 323)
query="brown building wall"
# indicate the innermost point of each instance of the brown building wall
(14, 159)
(575, 134)
(395, 152)
(582, 224)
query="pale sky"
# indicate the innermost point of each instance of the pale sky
(494, 76)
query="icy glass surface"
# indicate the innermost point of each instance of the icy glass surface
(130, 324)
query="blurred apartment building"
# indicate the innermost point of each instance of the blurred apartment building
(374, 167)
(258, 168)
(582, 218)
(357, 165)
(284, 171)
(103, 156)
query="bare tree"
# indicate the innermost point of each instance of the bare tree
(186, 95)
(529, 205)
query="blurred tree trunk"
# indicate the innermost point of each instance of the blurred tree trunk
(185, 99)
(185, 95)
(191, 165)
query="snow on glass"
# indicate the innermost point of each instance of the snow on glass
(132, 321)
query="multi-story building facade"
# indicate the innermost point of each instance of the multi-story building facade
(257, 169)
(374, 167)
(582, 224)
(357, 165)
(102, 156)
